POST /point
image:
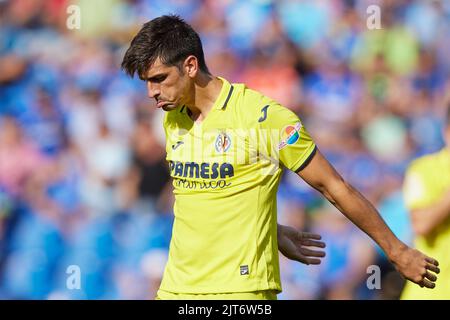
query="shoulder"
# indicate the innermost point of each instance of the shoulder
(419, 185)
(260, 110)
(422, 171)
(254, 100)
(424, 164)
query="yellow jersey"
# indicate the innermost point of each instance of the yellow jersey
(226, 172)
(427, 180)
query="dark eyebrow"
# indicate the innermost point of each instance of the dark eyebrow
(157, 77)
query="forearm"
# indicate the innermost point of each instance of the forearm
(363, 214)
(426, 220)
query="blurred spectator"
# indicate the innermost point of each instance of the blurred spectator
(18, 157)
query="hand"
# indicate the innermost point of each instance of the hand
(416, 267)
(293, 243)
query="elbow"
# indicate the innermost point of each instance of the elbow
(324, 190)
(333, 189)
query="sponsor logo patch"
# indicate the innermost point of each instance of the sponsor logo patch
(290, 135)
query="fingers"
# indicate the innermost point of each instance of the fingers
(432, 261)
(430, 276)
(314, 243)
(312, 253)
(306, 260)
(313, 261)
(419, 268)
(309, 239)
(427, 284)
(309, 235)
(433, 267)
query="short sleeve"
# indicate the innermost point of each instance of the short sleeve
(415, 191)
(294, 144)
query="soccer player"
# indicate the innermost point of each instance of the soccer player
(427, 196)
(227, 146)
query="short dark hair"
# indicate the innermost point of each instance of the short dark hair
(167, 37)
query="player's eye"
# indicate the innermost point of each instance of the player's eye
(157, 79)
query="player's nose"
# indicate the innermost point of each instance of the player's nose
(153, 90)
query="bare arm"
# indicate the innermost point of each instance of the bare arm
(425, 220)
(412, 264)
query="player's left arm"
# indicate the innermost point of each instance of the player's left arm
(411, 263)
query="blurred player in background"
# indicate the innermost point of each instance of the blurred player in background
(427, 196)
(224, 242)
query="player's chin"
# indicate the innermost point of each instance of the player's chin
(169, 107)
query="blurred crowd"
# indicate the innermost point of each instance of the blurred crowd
(83, 177)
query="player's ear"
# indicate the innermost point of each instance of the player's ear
(190, 66)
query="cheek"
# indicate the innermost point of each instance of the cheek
(172, 91)
(187, 89)
(176, 89)
(180, 91)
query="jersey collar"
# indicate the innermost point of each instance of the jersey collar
(224, 95)
(222, 100)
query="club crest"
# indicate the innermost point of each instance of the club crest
(223, 142)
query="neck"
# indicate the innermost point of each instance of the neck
(206, 90)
